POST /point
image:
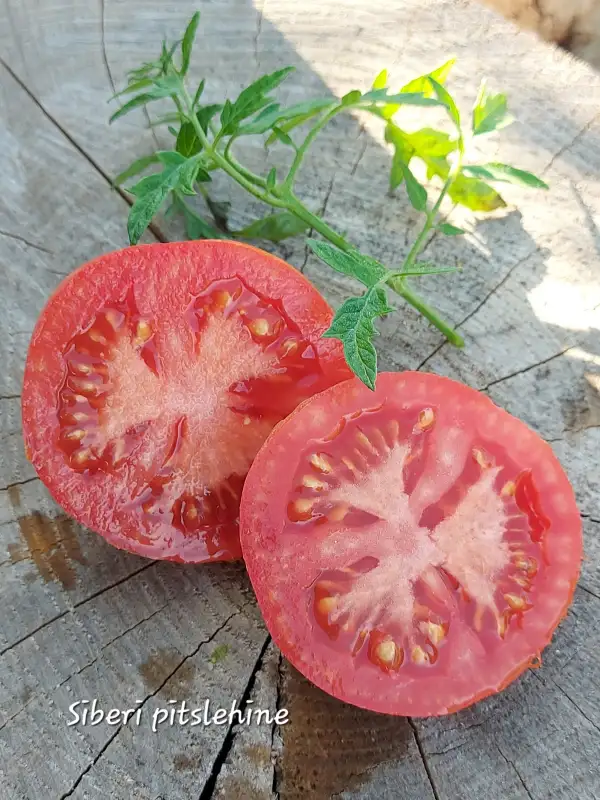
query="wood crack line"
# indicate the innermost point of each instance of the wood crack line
(41, 695)
(565, 148)
(578, 708)
(149, 696)
(526, 369)
(515, 770)
(278, 694)
(211, 781)
(10, 486)
(28, 242)
(73, 142)
(481, 303)
(75, 606)
(419, 744)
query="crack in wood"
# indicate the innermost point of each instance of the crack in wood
(588, 591)
(419, 744)
(515, 770)
(42, 695)
(26, 241)
(526, 369)
(75, 606)
(481, 303)
(275, 729)
(152, 227)
(24, 482)
(149, 696)
(565, 148)
(569, 698)
(211, 781)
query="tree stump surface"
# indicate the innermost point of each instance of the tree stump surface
(82, 620)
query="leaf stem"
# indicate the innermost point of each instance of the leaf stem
(310, 137)
(286, 199)
(225, 164)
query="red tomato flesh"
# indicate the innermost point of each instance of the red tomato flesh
(153, 377)
(412, 549)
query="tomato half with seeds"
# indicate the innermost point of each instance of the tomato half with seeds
(153, 377)
(412, 549)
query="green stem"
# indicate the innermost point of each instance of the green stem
(220, 159)
(310, 137)
(316, 223)
(400, 286)
(256, 186)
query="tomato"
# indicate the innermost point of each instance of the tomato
(153, 377)
(412, 549)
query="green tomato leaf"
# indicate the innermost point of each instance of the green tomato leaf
(417, 194)
(403, 152)
(187, 43)
(134, 169)
(198, 94)
(163, 87)
(179, 173)
(272, 178)
(262, 122)
(444, 96)
(274, 227)
(381, 80)
(353, 326)
(146, 185)
(475, 194)
(504, 173)
(430, 143)
(252, 99)
(142, 211)
(366, 270)
(187, 142)
(296, 115)
(170, 157)
(450, 230)
(133, 86)
(422, 83)
(350, 98)
(490, 112)
(283, 137)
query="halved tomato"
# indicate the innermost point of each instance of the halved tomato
(412, 549)
(153, 377)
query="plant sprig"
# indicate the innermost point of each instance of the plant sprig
(205, 137)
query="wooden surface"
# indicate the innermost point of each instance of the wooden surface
(82, 620)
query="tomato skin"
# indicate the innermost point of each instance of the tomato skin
(162, 277)
(283, 567)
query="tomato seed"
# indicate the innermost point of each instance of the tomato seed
(313, 483)
(434, 631)
(515, 602)
(418, 655)
(143, 332)
(76, 435)
(426, 419)
(320, 462)
(259, 327)
(366, 443)
(508, 489)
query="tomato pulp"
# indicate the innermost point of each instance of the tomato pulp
(412, 549)
(153, 377)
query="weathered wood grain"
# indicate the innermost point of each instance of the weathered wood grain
(85, 620)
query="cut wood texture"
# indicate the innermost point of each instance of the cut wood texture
(81, 620)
